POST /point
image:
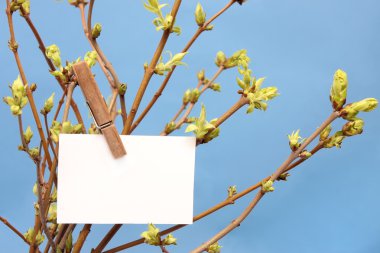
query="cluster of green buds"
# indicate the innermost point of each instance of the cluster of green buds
(238, 59)
(214, 248)
(29, 236)
(267, 186)
(64, 73)
(20, 5)
(48, 105)
(257, 96)
(175, 60)
(152, 237)
(231, 191)
(202, 128)
(18, 100)
(65, 128)
(295, 140)
(96, 30)
(90, 58)
(161, 22)
(355, 125)
(191, 96)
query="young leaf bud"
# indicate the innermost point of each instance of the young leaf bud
(96, 30)
(122, 89)
(231, 191)
(338, 90)
(169, 240)
(151, 236)
(214, 248)
(353, 127)
(170, 127)
(28, 134)
(335, 140)
(294, 138)
(90, 58)
(200, 15)
(186, 97)
(267, 186)
(201, 75)
(325, 133)
(220, 59)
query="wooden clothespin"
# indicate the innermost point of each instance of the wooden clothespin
(98, 108)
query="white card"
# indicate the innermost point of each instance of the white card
(153, 183)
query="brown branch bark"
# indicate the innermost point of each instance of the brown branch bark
(82, 238)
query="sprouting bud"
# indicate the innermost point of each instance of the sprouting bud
(176, 60)
(53, 53)
(201, 75)
(34, 152)
(194, 96)
(267, 186)
(67, 128)
(220, 59)
(169, 240)
(214, 248)
(353, 127)
(33, 87)
(209, 27)
(29, 235)
(325, 133)
(294, 138)
(28, 134)
(191, 119)
(211, 135)
(96, 30)
(366, 105)
(200, 15)
(283, 177)
(151, 236)
(215, 87)
(122, 89)
(338, 90)
(335, 140)
(55, 130)
(53, 197)
(93, 129)
(35, 189)
(49, 103)
(52, 213)
(18, 88)
(90, 58)
(231, 191)
(305, 155)
(239, 59)
(186, 97)
(170, 127)
(201, 126)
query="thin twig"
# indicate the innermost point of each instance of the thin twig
(69, 96)
(211, 210)
(11, 227)
(149, 71)
(29, 93)
(107, 238)
(235, 223)
(158, 93)
(42, 47)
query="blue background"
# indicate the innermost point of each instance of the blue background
(330, 203)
